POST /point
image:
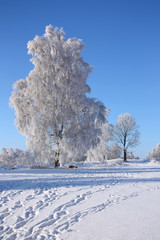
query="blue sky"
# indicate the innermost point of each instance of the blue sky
(122, 39)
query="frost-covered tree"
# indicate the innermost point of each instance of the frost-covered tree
(114, 152)
(105, 149)
(7, 157)
(24, 158)
(20, 157)
(149, 156)
(52, 109)
(12, 158)
(155, 152)
(101, 151)
(126, 133)
(4, 157)
(130, 155)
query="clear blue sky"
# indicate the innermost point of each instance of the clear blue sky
(122, 39)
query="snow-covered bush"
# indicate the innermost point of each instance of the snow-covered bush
(155, 153)
(5, 158)
(105, 149)
(130, 155)
(114, 152)
(12, 158)
(149, 156)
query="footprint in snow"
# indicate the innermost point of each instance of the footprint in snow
(20, 224)
(39, 204)
(38, 192)
(17, 205)
(19, 219)
(6, 230)
(4, 200)
(12, 237)
(4, 214)
(29, 197)
(58, 215)
(29, 212)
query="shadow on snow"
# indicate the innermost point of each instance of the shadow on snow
(55, 178)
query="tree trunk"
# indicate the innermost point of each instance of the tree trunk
(125, 155)
(57, 153)
(57, 163)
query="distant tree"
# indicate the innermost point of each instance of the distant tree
(114, 152)
(7, 157)
(4, 157)
(149, 156)
(20, 157)
(101, 151)
(130, 155)
(11, 158)
(51, 105)
(156, 152)
(126, 133)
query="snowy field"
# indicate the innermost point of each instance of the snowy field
(93, 202)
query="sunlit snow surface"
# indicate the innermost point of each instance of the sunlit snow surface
(93, 202)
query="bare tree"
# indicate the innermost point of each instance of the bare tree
(126, 133)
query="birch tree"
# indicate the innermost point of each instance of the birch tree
(51, 105)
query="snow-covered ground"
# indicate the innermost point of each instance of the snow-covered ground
(92, 202)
